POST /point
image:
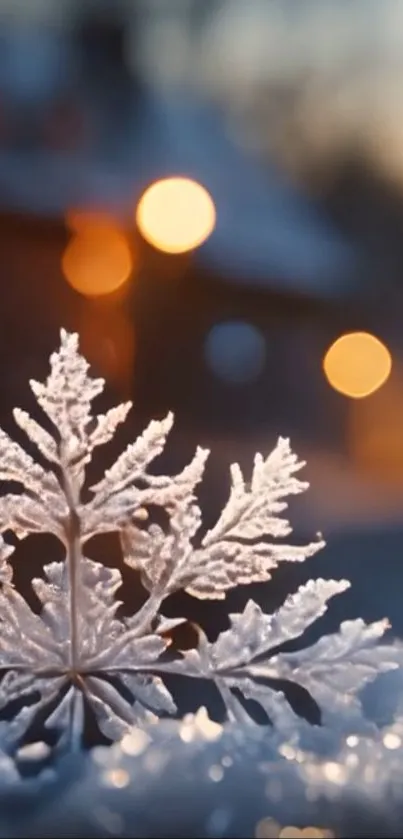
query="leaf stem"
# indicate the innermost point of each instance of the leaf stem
(76, 720)
(142, 620)
(73, 551)
(73, 558)
(236, 712)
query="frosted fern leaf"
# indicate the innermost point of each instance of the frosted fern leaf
(77, 652)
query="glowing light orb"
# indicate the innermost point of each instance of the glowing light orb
(357, 364)
(176, 215)
(98, 259)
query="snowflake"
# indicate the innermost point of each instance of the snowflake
(77, 652)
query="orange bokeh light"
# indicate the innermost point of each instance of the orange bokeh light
(357, 364)
(176, 215)
(98, 259)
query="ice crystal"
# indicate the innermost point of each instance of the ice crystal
(78, 652)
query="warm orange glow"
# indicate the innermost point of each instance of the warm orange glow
(98, 259)
(176, 215)
(357, 364)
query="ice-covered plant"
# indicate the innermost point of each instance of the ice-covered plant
(78, 651)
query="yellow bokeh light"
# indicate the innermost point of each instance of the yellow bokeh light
(357, 364)
(98, 260)
(176, 215)
(269, 829)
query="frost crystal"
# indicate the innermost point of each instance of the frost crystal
(77, 652)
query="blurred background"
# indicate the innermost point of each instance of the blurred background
(211, 193)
